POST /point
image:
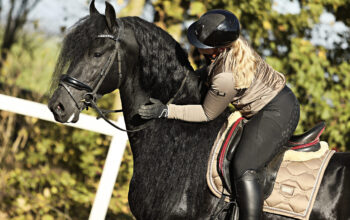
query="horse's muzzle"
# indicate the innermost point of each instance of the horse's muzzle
(63, 112)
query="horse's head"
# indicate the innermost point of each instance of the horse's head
(101, 53)
(89, 61)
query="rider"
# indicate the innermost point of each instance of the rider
(238, 75)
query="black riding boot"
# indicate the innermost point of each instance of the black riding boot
(249, 196)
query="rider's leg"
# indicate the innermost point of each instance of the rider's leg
(263, 137)
(249, 196)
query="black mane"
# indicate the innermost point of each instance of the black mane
(164, 63)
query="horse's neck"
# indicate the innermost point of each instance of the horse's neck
(166, 150)
(132, 98)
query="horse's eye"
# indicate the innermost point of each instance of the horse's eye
(97, 54)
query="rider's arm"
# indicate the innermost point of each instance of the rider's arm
(220, 94)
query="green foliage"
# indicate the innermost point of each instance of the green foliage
(133, 8)
(30, 63)
(58, 176)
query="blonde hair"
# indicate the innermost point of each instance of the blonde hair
(240, 59)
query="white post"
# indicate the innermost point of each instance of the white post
(109, 174)
(41, 111)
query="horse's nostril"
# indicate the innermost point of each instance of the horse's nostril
(59, 108)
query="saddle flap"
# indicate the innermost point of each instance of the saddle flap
(214, 177)
(227, 150)
(268, 174)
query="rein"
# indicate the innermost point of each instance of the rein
(90, 98)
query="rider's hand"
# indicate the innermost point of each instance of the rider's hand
(156, 110)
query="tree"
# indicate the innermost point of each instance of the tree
(16, 18)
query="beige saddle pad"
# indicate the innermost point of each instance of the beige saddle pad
(297, 182)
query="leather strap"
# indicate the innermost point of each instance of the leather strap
(75, 83)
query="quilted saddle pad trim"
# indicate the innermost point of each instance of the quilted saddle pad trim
(307, 212)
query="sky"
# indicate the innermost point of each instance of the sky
(325, 33)
(53, 14)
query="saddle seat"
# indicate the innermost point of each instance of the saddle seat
(306, 142)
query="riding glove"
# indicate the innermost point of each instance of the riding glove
(155, 110)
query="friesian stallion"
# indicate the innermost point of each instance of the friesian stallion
(100, 54)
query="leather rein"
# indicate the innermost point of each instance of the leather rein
(90, 98)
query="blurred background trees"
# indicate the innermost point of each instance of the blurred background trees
(16, 18)
(50, 171)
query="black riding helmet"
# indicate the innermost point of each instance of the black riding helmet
(216, 28)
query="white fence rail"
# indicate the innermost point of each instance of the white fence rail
(114, 155)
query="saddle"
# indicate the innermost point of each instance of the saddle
(230, 137)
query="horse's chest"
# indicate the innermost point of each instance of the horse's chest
(155, 200)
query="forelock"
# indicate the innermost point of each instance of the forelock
(75, 44)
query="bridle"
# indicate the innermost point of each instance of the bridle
(90, 97)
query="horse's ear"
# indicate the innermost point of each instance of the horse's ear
(110, 17)
(93, 9)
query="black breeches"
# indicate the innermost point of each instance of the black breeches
(267, 132)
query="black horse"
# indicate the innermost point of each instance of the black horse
(101, 54)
